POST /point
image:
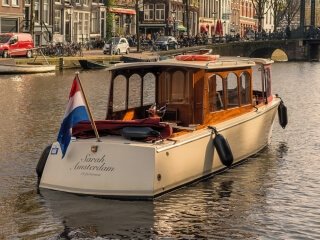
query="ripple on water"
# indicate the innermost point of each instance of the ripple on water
(274, 195)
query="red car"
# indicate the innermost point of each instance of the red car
(16, 44)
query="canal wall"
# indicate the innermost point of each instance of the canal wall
(98, 56)
(69, 62)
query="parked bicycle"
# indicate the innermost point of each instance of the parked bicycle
(62, 49)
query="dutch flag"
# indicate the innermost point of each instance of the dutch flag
(76, 112)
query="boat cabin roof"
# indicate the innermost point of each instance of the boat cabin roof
(220, 63)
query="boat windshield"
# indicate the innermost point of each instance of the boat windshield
(134, 92)
(4, 38)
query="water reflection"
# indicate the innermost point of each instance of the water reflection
(282, 149)
(89, 217)
(274, 195)
(218, 207)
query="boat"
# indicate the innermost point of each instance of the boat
(13, 68)
(88, 64)
(9, 66)
(175, 123)
(139, 58)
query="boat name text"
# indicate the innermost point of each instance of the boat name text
(90, 163)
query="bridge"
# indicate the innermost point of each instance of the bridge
(295, 49)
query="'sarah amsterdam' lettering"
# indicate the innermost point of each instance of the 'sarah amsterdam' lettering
(88, 158)
(90, 163)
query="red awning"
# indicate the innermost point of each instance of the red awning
(203, 28)
(219, 28)
(122, 10)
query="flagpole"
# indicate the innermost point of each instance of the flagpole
(89, 112)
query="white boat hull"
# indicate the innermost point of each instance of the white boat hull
(122, 168)
(30, 68)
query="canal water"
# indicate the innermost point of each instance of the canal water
(273, 195)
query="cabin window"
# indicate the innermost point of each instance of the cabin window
(232, 90)
(219, 97)
(262, 89)
(134, 93)
(268, 81)
(256, 75)
(119, 93)
(216, 93)
(149, 89)
(245, 88)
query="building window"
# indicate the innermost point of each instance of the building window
(82, 20)
(86, 24)
(37, 40)
(85, 2)
(57, 1)
(36, 11)
(80, 26)
(160, 8)
(8, 25)
(5, 2)
(95, 25)
(75, 16)
(57, 21)
(45, 11)
(15, 2)
(148, 12)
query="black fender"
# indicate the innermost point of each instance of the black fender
(282, 115)
(42, 161)
(224, 151)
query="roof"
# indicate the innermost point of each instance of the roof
(221, 63)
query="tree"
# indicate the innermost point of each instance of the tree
(109, 18)
(261, 8)
(292, 10)
(279, 8)
(284, 11)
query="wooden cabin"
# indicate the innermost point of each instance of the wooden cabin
(193, 93)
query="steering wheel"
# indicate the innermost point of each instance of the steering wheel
(154, 111)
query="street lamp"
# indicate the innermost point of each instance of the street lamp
(69, 12)
(137, 25)
(173, 14)
(187, 11)
(214, 14)
(232, 30)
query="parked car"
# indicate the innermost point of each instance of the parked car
(16, 44)
(166, 43)
(116, 45)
